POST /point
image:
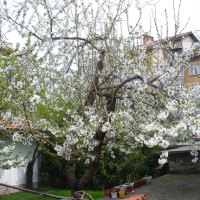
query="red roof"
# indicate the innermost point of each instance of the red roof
(178, 36)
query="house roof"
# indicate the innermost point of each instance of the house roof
(176, 37)
(181, 149)
(190, 33)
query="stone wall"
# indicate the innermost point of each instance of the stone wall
(182, 163)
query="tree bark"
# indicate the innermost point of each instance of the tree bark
(29, 168)
(86, 179)
(29, 175)
(71, 176)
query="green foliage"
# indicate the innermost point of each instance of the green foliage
(55, 170)
(112, 172)
(53, 115)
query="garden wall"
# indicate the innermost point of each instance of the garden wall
(17, 176)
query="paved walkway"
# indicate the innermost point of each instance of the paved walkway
(173, 187)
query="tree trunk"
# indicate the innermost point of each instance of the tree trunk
(84, 182)
(71, 176)
(29, 168)
(29, 175)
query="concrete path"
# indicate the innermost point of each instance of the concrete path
(173, 187)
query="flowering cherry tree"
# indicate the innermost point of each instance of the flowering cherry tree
(7, 141)
(83, 76)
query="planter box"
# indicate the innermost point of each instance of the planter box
(148, 178)
(107, 193)
(129, 189)
(140, 182)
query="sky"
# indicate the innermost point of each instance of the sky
(190, 10)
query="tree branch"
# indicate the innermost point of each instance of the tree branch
(95, 84)
(22, 26)
(129, 80)
(76, 38)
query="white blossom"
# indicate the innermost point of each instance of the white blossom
(163, 115)
(162, 161)
(106, 126)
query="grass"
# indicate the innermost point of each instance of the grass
(59, 192)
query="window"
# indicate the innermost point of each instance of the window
(194, 69)
(177, 46)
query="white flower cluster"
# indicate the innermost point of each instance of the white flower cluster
(195, 154)
(7, 149)
(80, 135)
(106, 126)
(64, 151)
(43, 124)
(20, 137)
(172, 106)
(163, 115)
(163, 158)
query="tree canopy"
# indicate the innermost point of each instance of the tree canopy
(83, 76)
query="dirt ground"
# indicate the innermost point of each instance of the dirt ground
(173, 187)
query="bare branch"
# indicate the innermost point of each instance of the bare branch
(22, 26)
(63, 8)
(48, 12)
(77, 38)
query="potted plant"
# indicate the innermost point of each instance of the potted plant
(129, 188)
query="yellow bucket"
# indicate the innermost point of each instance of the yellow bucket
(121, 194)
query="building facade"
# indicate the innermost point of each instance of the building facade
(180, 159)
(155, 54)
(16, 176)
